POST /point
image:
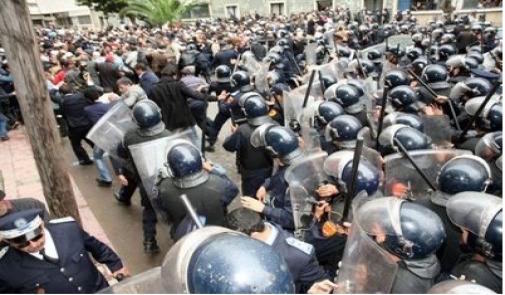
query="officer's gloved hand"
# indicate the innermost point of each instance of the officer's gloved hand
(457, 133)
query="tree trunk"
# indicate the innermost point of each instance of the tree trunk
(22, 50)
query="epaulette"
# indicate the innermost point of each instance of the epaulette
(302, 246)
(62, 220)
(3, 251)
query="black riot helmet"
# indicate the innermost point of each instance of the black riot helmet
(282, 143)
(339, 166)
(185, 163)
(343, 51)
(395, 78)
(419, 64)
(284, 43)
(343, 131)
(411, 120)
(368, 67)
(241, 80)
(410, 138)
(489, 147)
(375, 56)
(479, 86)
(481, 215)
(327, 111)
(214, 263)
(402, 96)
(477, 56)
(348, 97)
(458, 287)
(464, 173)
(491, 117)
(434, 74)
(407, 230)
(273, 58)
(328, 80)
(223, 74)
(414, 53)
(146, 114)
(445, 51)
(255, 109)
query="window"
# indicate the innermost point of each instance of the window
(277, 8)
(323, 4)
(84, 19)
(200, 11)
(232, 11)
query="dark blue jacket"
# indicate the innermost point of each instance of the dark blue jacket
(300, 258)
(147, 81)
(96, 111)
(75, 272)
(279, 209)
(73, 110)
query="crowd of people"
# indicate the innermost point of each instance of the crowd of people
(368, 147)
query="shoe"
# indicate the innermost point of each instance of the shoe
(103, 183)
(85, 162)
(121, 201)
(5, 138)
(151, 247)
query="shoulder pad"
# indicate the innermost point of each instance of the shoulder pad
(3, 251)
(62, 220)
(302, 246)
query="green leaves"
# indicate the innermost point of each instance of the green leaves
(156, 12)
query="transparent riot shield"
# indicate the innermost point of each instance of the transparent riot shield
(293, 101)
(402, 179)
(150, 158)
(110, 130)
(260, 78)
(148, 282)
(438, 128)
(249, 62)
(366, 267)
(310, 54)
(330, 69)
(304, 177)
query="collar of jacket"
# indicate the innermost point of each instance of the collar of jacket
(155, 130)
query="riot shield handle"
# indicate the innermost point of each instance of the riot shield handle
(382, 114)
(309, 87)
(405, 153)
(479, 110)
(191, 211)
(351, 192)
(434, 94)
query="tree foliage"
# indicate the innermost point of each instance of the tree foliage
(105, 6)
(156, 12)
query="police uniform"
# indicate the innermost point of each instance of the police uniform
(255, 165)
(299, 256)
(71, 269)
(279, 208)
(148, 214)
(209, 200)
(485, 274)
(415, 277)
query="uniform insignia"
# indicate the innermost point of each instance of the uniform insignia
(62, 220)
(3, 251)
(302, 246)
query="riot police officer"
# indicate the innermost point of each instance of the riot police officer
(208, 190)
(282, 145)
(221, 85)
(409, 233)
(409, 137)
(480, 217)
(342, 132)
(299, 256)
(326, 111)
(147, 115)
(254, 164)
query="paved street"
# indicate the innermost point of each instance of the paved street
(123, 225)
